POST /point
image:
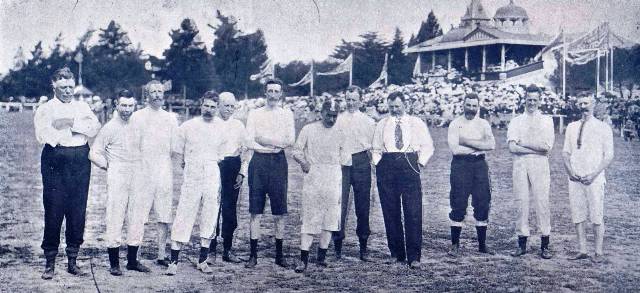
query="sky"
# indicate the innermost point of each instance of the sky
(294, 29)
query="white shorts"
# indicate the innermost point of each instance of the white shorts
(587, 201)
(321, 199)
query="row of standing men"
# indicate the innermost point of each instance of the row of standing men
(336, 154)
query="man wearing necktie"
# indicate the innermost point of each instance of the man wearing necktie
(588, 150)
(63, 126)
(469, 138)
(401, 146)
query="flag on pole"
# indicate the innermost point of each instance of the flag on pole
(306, 79)
(555, 44)
(345, 66)
(267, 70)
(589, 46)
(383, 75)
(417, 69)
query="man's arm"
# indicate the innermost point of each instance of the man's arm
(377, 146)
(178, 144)
(607, 158)
(298, 150)
(45, 132)
(87, 123)
(97, 155)
(426, 143)
(286, 141)
(486, 143)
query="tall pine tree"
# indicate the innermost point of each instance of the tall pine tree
(399, 64)
(429, 29)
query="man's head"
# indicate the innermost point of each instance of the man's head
(209, 105)
(63, 83)
(471, 105)
(154, 94)
(227, 105)
(585, 103)
(329, 112)
(125, 104)
(352, 98)
(532, 99)
(273, 91)
(395, 101)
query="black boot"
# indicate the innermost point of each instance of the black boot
(322, 255)
(364, 253)
(49, 267)
(72, 266)
(132, 260)
(279, 255)
(253, 256)
(454, 251)
(544, 248)
(522, 247)
(301, 266)
(212, 250)
(337, 245)
(482, 239)
(114, 261)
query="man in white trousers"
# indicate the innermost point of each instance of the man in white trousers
(588, 150)
(115, 151)
(320, 151)
(530, 137)
(199, 142)
(155, 129)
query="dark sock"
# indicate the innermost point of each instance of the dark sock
(322, 253)
(544, 244)
(226, 243)
(132, 254)
(254, 247)
(304, 256)
(278, 248)
(204, 252)
(363, 245)
(522, 242)
(113, 256)
(174, 255)
(455, 235)
(213, 245)
(337, 245)
(482, 237)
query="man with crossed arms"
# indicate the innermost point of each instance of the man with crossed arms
(115, 150)
(530, 137)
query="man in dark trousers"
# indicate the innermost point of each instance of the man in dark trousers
(63, 126)
(469, 138)
(359, 129)
(402, 146)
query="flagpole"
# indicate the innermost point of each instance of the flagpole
(353, 52)
(611, 64)
(606, 70)
(564, 66)
(311, 83)
(597, 72)
(386, 79)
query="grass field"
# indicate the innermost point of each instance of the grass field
(21, 225)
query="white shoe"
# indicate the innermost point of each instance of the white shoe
(204, 267)
(172, 269)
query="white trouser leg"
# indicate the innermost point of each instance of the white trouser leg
(210, 206)
(521, 192)
(140, 203)
(188, 206)
(119, 183)
(539, 176)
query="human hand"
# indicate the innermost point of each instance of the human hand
(62, 123)
(305, 167)
(239, 179)
(588, 179)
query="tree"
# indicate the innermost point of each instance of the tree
(187, 62)
(429, 29)
(369, 58)
(400, 65)
(113, 41)
(19, 59)
(237, 55)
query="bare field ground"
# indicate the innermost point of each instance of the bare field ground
(21, 224)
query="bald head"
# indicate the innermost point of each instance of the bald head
(227, 105)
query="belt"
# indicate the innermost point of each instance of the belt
(60, 147)
(231, 157)
(472, 158)
(270, 154)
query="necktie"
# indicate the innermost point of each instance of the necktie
(399, 143)
(580, 133)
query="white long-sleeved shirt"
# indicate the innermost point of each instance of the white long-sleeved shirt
(115, 143)
(320, 145)
(85, 123)
(276, 124)
(476, 128)
(415, 138)
(359, 129)
(199, 142)
(155, 129)
(234, 136)
(536, 127)
(597, 144)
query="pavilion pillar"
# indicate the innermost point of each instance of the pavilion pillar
(502, 57)
(466, 59)
(433, 60)
(484, 58)
(449, 59)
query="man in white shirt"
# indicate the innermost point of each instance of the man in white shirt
(530, 137)
(469, 138)
(233, 159)
(198, 141)
(63, 126)
(155, 129)
(270, 130)
(587, 152)
(359, 129)
(401, 146)
(115, 150)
